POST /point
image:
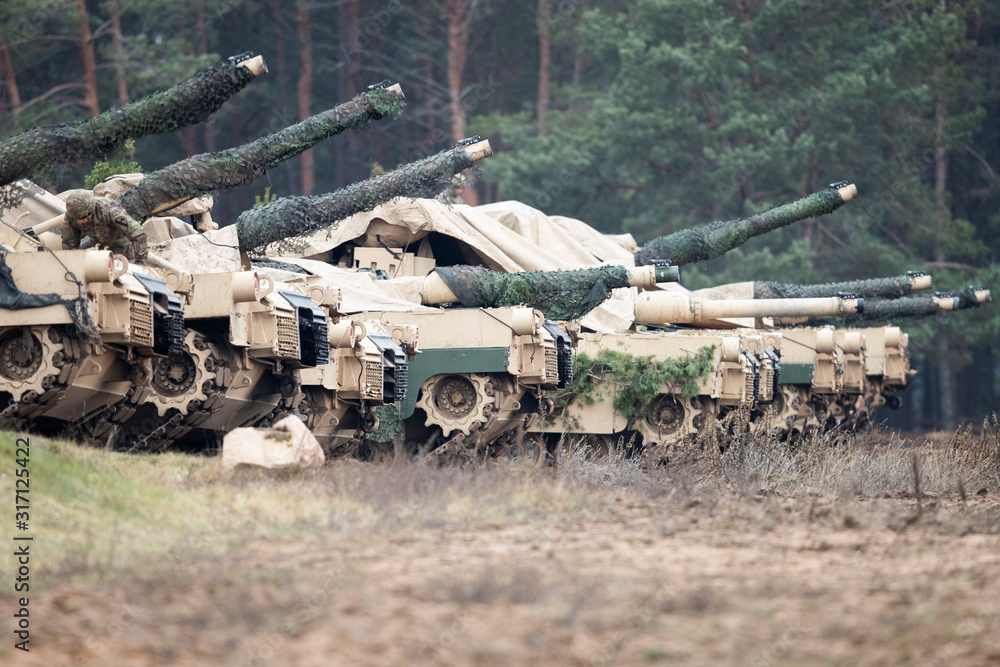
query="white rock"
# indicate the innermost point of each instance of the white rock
(288, 444)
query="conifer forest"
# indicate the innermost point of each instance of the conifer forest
(646, 117)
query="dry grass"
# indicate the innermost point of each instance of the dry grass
(874, 463)
(100, 511)
(838, 549)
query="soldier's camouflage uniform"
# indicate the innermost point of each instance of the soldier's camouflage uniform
(111, 227)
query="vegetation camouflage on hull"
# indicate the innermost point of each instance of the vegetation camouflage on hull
(887, 288)
(561, 295)
(718, 238)
(639, 379)
(291, 217)
(33, 153)
(210, 172)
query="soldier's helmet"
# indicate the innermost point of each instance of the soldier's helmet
(79, 205)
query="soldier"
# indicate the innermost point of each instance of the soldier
(106, 222)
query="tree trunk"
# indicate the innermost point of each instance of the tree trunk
(347, 86)
(119, 45)
(203, 50)
(10, 83)
(544, 50)
(458, 43)
(189, 135)
(579, 56)
(89, 61)
(430, 118)
(946, 376)
(281, 66)
(305, 90)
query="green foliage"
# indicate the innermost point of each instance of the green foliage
(637, 380)
(267, 199)
(389, 424)
(119, 162)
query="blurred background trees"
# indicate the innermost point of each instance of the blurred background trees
(644, 116)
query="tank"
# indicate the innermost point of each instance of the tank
(481, 391)
(660, 387)
(176, 353)
(486, 335)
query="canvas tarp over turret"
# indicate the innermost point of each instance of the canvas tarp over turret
(483, 240)
(359, 291)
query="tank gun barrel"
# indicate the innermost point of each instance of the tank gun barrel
(921, 306)
(209, 172)
(32, 153)
(675, 308)
(888, 288)
(289, 217)
(561, 295)
(716, 238)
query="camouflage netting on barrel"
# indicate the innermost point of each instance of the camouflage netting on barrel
(12, 298)
(34, 153)
(891, 310)
(561, 295)
(281, 221)
(887, 288)
(716, 238)
(211, 172)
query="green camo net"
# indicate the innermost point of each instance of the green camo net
(716, 238)
(887, 288)
(211, 172)
(561, 295)
(34, 153)
(885, 310)
(281, 221)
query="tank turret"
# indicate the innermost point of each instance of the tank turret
(717, 238)
(34, 152)
(291, 217)
(211, 172)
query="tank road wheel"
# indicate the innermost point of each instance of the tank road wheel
(667, 419)
(373, 452)
(529, 450)
(786, 407)
(457, 402)
(670, 421)
(180, 379)
(29, 358)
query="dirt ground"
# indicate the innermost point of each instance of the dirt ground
(502, 566)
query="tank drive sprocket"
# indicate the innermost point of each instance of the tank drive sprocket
(28, 356)
(458, 402)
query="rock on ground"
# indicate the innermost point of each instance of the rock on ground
(288, 444)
